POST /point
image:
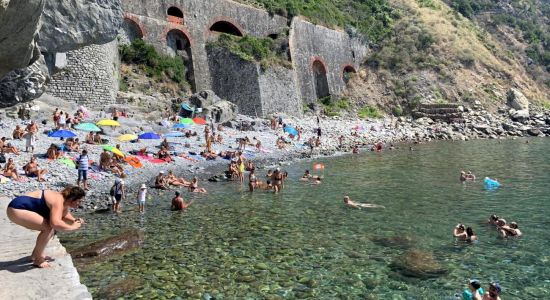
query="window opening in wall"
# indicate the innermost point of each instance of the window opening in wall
(225, 27)
(320, 79)
(175, 12)
(130, 31)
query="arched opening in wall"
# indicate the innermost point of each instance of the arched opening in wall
(225, 27)
(175, 15)
(179, 45)
(130, 32)
(320, 79)
(348, 73)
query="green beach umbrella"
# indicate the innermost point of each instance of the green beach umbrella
(87, 127)
(187, 121)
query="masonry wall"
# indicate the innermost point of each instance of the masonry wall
(309, 42)
(235, 80)
(90, 76)
(279, 92)
(199, 15)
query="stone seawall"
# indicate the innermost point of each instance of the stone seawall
(20, 280)
(89, 76)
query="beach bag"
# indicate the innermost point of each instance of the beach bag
(2, 158)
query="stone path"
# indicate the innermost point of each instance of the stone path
(20, 280)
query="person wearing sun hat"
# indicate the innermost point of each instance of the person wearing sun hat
(160, 181)
(494, 292)
(141, 196)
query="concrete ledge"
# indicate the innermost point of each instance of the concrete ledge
(20, 280)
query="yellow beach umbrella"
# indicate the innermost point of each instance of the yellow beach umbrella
(127, 137)
(114, 150)
(107, 122)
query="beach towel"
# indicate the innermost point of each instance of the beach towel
(157, 161)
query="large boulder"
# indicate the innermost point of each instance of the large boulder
(204, 99)
(517, 100)
(23, 84)
(222, 111)
(19, 24)
(62, 25)
(71, 24)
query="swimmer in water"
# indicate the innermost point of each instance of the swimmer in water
(471, 236)
(306, 176)
(317, 180)
(358, 205)
(493, 219)
(511, 230)
(459, 232)
(493, 293)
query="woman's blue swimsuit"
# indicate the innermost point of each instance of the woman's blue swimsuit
(37, 205)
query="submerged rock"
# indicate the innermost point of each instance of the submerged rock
(399, 242)
(417, 263)
(120, 288)
(124, 242)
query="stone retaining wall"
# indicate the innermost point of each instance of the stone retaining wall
(90, 76)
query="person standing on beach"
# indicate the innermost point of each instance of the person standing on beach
(119, 193)
(141, 196)
(83, 165)
(31, 129)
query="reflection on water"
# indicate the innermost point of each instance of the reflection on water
(304, 243)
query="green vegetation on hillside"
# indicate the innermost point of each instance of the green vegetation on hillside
(155, 65)
(266, 51)
(372, 18)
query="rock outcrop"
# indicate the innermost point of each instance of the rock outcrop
(69, 25)
(29, 28)
(222, 111)
(120, 243)
(19, 24)
(517, 100)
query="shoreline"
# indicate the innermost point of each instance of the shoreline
(479, 124)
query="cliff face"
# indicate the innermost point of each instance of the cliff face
(29, 28)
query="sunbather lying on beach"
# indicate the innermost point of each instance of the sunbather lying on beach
(194, 186)
(177, 181)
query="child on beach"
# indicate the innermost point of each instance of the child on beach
(141, 196)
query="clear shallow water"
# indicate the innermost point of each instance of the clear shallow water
(304, 243)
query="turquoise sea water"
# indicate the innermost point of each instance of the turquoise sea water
(304, 243)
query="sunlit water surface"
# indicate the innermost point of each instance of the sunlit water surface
(304, 243)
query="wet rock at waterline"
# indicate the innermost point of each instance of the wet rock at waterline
(124, 242)
(417, 263)
(120, 288)
(399, 242)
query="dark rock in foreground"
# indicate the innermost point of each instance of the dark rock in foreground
(124, 242)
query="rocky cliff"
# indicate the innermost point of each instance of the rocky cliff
(30, 29)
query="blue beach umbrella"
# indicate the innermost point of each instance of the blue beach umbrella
(87, 127)
(179, 126)
(174, 134)
(149, 136)
(291, 130)
(62, 134)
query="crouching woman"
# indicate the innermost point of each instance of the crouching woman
(46, 211)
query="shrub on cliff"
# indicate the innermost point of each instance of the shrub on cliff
(262, 50)
(154, 64)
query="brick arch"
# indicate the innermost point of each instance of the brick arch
(347, 68)
(173, 19)
(234, 23)
(313, 59)
(179, 28)
(135, 19)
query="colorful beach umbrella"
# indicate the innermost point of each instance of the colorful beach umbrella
(291, 130)
(186, 121)
(62, 134)
(149, 136)
(180, 126)
(114, 150)
(174, 134)
(87, 127)
(199, 121)
(107, 122)
(318, 166)
(127, 137)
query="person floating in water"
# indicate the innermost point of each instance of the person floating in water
(494, 292)
(511, 230)
(473, 290)
(459, 232)
(359, 205)
(307, 175)
(467, 176)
